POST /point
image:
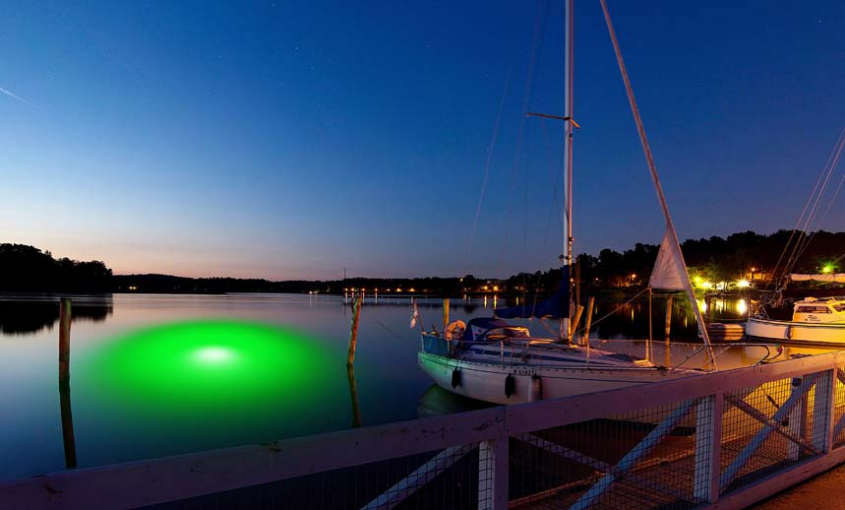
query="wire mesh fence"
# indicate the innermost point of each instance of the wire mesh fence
(447, 478)
(681, 445)
(630, 461)
(839, 407)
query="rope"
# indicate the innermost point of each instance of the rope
(638, 294)
(387, 329)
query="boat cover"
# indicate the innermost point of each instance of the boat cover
(480, 325)
(555, 306)
(824, 278)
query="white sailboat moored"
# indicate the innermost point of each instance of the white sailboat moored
(491, 360)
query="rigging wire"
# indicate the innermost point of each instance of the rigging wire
(554, 210)
(615, 311)
(798, 233)
(803, 241)
(536, 42)
(490, 149)
(833, 162)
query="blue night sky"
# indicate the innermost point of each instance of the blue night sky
(292, 139)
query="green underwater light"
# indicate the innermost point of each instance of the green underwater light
(214, 355)
(202, 367)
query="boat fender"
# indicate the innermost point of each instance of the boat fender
(536, 388)
(510, 385)
(456, 378)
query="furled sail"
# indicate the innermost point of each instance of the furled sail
(824, 278)
(555, 306)
(669, 268)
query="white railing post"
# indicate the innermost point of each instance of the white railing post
(797, 420)
(824, 412)
(493, 474)
(708, 447)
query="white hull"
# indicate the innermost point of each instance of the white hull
(788, 331)
(486, 380)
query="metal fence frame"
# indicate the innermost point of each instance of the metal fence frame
(178, 478)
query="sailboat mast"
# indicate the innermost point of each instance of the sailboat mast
(670, 226)
(567, 173)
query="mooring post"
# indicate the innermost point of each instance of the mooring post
(353, 333)
(353, 395)
(445, 314)
(668, 317)
(573, 326)
(64, 383)
(648, 352)
(64, 339)
(585, 338)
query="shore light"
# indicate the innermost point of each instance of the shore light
(828, 268)
(742, 284)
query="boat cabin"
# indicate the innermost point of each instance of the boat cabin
(819, 310)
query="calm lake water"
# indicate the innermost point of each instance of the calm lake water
(157, 375)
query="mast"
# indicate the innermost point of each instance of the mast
(567, 173)
(670, 225)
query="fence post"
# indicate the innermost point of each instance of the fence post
(708, 447)
(824, 414)
(797, 420)
(493, 474)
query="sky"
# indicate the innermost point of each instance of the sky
(286, 140)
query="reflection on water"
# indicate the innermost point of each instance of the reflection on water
(156, 375)
(631, 319)
(32, 314)
(436, 401)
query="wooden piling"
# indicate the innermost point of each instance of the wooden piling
(648, 353)
(67, 424)
(64, 339)
(573, 326)
(64, 383)
(668, 327)
(353, 395)
(585, 339)
(445, 314)
(353, 333)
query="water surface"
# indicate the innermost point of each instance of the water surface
(157, 375)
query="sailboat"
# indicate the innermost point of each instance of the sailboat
(492, 360)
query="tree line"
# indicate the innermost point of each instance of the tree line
(26, 268)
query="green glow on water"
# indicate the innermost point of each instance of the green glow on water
(214, 355)
(215, 382)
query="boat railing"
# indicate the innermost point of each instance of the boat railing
(715, 440)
